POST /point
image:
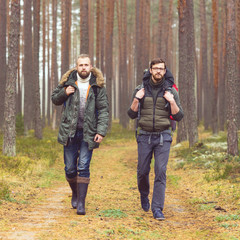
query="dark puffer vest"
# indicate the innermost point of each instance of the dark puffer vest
(155, 114)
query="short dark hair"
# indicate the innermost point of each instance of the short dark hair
(156, 61)
(83, 55)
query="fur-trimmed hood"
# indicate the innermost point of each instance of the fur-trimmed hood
(95, 71)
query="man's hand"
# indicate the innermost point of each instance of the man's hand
(98, 138)
(69, 90)
(140, 94)
(169, 96)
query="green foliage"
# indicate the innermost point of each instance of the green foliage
(19, 125)
(118, 134)
(197, 201)
(210, 154)
(4, 191)
(206, 207)
(229, 225)
(33, 165)
(174, 180)
(112, 213)
(223, 218)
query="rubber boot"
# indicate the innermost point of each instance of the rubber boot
(73, 185)
(82, 187)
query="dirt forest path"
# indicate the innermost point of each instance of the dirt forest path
(113, 207)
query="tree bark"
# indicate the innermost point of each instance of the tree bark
(28, 67)
(215, 66)
(54, 66)
(191, 99)
(232, 129)
(84, 34)
(222, 70)
(44, 62)
(182, 127)
(36, 38)
(203, 64)
(9, 141)
(3, 44)
(109, 54)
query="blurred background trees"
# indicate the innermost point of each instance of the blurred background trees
(200, 41)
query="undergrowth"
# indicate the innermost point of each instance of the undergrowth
(211, 155)
(34, 163)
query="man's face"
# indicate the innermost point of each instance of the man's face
(84, 67)
(158, 71)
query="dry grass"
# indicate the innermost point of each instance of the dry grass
(113, 205)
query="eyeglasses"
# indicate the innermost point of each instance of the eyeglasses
(158, 69)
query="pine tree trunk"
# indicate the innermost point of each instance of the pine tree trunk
(49, 84)
(232, 136)
(28, 68)
(84, 34)
(3, 44)
(54, 66)
(191, 100)
(215, 66)
(44, 62)
(36, 37)
(9, 141)
(98, 34)
(222, 70)
(238, 56)
(182, 127)
(109, 54)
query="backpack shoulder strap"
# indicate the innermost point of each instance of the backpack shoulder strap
(139, 110)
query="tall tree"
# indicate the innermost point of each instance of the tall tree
(238, 53)
(84, 34)
(28, 66)
(215, 65)
(49, 84)
(3, 23)
(222, 68)
(66, 7)
(169, 44)
(160, 29)
(9, 141)
(182, 14)
(98, 33)
(54, 65)
(233, 101)
(109, 54)
(203, 63)
(191, 100)
(43, 61)
(123, 66)
(91, 28)
(102, 35)
(36, 38)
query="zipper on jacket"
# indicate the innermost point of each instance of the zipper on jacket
(71, 128)
(154, 105)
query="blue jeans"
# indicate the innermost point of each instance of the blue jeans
(77, 156)
(160, 147)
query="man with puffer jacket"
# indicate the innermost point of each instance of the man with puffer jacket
(84, 123)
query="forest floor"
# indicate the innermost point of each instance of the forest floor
(193, 209)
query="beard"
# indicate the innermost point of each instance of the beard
(157, 77)
(84, 74)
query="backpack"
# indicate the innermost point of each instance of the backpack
(172, 121)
